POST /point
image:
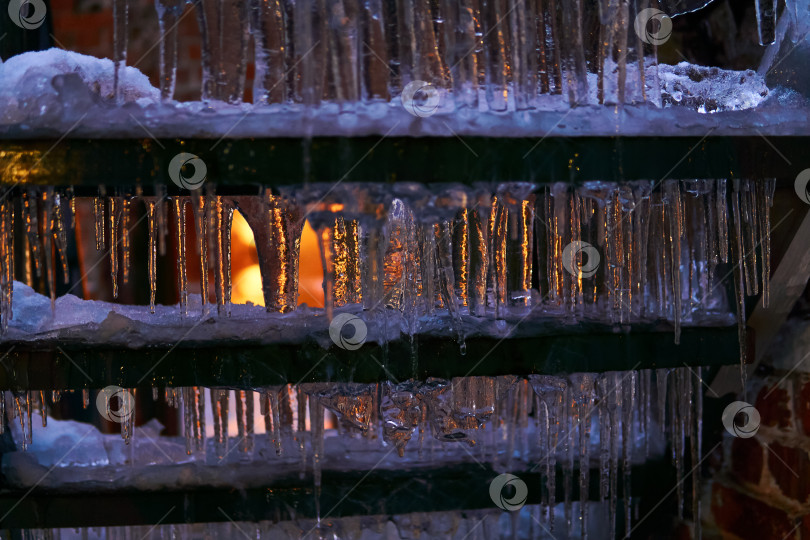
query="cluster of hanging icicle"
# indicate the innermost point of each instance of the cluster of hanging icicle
(348, 52)
(442, 250)
(543, 423)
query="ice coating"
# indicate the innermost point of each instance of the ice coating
(41, 97)
(546, 423)
(442, 260)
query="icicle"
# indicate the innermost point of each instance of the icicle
(270, 40)
(60, 235)
(43, 408)
(277, 225)
(497, 249)
(301, 428)
(244, 419)
(765, 200)
(223, 218)
(461, 256)
(22, 405)
(120, 38)
(722, 220)
(168, 12)
(189, 411)
(446, 280)
(160, 210)
(574, 50)
(568, 420)
(646, 411)
(99, 216)
(478, 263)
(152, 255)
(584, 403)
(198, 396)
(198, 205)
(126, 249)
(2, 412)
(273, 397)
(695, 441)
(6, 261)
(224, 31)
(628, 407)
(30, 216)
(114, 217)
(219, 404)
(614, 397)
(495, 54)
(605, 436)
(46, 233)
(316, 430)
(673, 201)
(128, 424)
(550, 390)
(750, 225)
(739, 279)
(180, 226)
(461, 42)
(766, 21)
(326, 236)
(342, 45)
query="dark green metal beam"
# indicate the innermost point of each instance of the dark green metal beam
(285, 161)
(45, 367)
(432, 488)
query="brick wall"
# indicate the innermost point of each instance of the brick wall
(762, 490)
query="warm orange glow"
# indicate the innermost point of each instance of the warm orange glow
(335, 207)
(247, 280)
(310, 270)
(247, 286)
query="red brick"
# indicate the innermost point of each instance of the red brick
(804, 407)
(748, 518)
(772, 404)
(790, 468)
(747, 460)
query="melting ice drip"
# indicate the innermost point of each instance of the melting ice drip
(564, 427)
